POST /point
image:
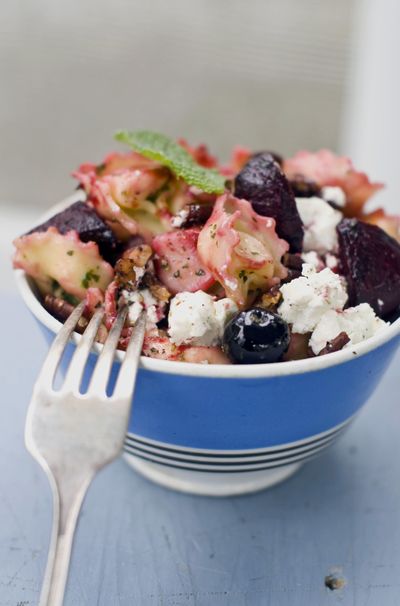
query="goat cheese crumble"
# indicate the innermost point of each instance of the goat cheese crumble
(308, 298)
(139, 300)
(333, 194)
(359, 323)
(195, 318)
(313, 258)
(320, 221)
(320, 262)
(178, 220)
(331, 261)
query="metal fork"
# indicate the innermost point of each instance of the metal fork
(73, 435)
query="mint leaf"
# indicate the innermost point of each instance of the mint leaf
(168, 153)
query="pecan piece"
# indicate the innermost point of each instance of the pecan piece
(61, 310)
(336, 344)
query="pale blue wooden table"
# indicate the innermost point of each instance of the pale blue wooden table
(139, 544)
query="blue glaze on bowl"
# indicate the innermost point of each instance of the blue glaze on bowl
(229, 430)
(250, 413)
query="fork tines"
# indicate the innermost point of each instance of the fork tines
(100, 377)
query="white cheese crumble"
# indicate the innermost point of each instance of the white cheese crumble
(319, 263)
(359, 323)
(224, 310)
(308, 298)
(312, 258)
(139, 300)
(195, 318)
(331, 261)
(139, 272)
(320, 221)
(180, 218)
(334, 194)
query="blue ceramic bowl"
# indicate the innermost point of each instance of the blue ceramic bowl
(226, 429)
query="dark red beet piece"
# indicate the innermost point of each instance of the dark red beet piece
(370, 262)
(197, 214)
(132, 242)
(90, 227)
(262, 183)
(277, 157)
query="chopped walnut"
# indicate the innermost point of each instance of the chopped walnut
(131, 268)
(157, 288)
(135, 272)
(125, 272)
(140, 255)
(271, 299)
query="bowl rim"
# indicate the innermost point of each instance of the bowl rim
(222, 371)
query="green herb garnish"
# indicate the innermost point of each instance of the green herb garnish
(61, 293)
(168, 153)
(54, 285)
(213, 230)
(90, 276)
(243, 276)
(71, 299)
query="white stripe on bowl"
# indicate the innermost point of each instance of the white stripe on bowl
(186, 451)
(214, 458)
(267, 464)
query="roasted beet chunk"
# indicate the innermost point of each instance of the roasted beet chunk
(277, 157)
(81, 218)
(370, 262)
(196, 214)
(262, 183)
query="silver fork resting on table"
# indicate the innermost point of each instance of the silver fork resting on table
(73, 435)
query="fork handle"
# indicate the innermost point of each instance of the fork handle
(65, 517)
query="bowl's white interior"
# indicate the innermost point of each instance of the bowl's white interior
(31, 299)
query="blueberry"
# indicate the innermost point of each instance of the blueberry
(256, 336)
